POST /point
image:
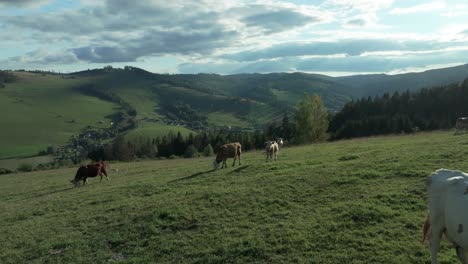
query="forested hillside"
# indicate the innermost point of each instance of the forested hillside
(427, 109)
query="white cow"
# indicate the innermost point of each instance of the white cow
(271, 149)
(448, 212)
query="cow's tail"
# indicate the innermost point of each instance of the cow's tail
(426, 229)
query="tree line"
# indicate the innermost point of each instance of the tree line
(428, 109)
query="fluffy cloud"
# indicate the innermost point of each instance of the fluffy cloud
(352, 47)
(427, 7)
(349, 64)
(43, 57)
(360, 5)
(277, 21)
(120, 31)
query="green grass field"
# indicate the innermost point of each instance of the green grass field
(39, 110)
(13, 163)
(226, 119)
(351, 201)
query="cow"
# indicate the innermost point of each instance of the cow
(280, 142)
(271, 149)
(461, 124)
(448, 214)
(90, 170)
(230, 150)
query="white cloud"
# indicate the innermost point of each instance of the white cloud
(432, 6)
(360, 5)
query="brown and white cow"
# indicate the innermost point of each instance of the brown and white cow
(230, 150)
(271, 149)
(89, 171)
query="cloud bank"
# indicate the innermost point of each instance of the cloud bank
(232, 37)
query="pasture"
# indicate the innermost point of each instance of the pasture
(13, 163)
(45, 110)
(351, 201)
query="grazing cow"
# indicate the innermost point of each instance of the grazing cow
(448, 214)
(461, 124)
(90, 170)
(271, 149)
(230, 150)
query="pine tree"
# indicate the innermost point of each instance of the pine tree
(208, 151)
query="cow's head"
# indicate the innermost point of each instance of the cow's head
(268, 144)
(280, 142)
(75, 183)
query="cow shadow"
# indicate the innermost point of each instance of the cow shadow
(192, 176)
(239, 169)
(47, 193)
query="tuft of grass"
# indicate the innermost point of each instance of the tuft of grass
(348, 157)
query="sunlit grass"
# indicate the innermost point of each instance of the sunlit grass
(352, 201)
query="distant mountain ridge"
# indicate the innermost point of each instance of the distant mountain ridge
(378, 84)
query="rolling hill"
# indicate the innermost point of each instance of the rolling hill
(48, 109)
(377, 84)
(350, 201)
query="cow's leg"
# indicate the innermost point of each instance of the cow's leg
(435, 237)
(239, 160)
(234, 162)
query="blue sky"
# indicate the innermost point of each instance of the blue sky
(333, 37)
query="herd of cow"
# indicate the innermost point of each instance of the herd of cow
(447, 195)
(230, 150)
(234, 150)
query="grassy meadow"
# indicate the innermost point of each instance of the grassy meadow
(43, 110)
(351, 201)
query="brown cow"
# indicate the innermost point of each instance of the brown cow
(90, 170)
(230, 150)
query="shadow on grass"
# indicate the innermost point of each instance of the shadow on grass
(47, 193)
(239, 169)
(192, 176)
(205, 172)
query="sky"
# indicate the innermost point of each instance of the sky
(332, 37)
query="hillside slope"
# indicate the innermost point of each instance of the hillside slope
(356, 201)
(42, 110)
(378, 84)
